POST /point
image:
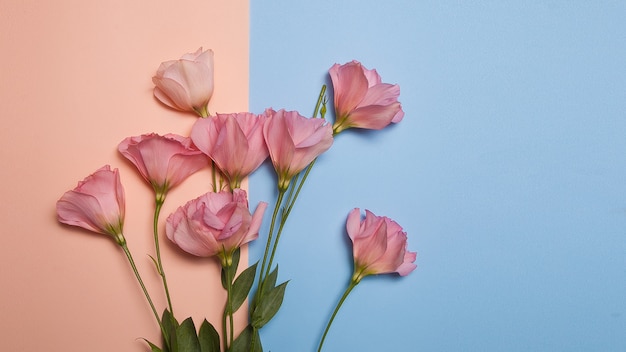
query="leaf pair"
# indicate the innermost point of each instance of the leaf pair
(183, 338)
(242, 284)
(267, 301)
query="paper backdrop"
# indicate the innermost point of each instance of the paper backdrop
(76, 80)
(508, 173)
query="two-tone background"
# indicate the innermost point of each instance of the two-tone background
(508, 171)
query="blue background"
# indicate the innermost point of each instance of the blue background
(507, 172)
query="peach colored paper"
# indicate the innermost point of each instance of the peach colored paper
(76, 80)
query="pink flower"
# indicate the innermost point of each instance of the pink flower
(294, 141)
(379, 245)
(186, 84)
(215, 224)
(361, 100)
(163, 161)
(96, 204)
(234, 142)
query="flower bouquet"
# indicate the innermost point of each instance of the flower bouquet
(219, 222)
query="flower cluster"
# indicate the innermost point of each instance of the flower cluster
(219, 222)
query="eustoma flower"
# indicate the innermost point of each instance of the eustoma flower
(362, 100)
(234, 142)
(379, 245)
(215, 224)
(96, 204)
(294, 141)
(163, 161)
(186, 84)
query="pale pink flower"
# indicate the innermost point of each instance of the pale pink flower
(186, 84)
(379, 245)
(294, 141)
(215, 224)
(361, 100)
(163, 161)
(234, 142)
(96, 204)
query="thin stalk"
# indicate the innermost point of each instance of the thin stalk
(160, 199)
(228, 310)
(265, 272)
(143, 287)
(213, 175)
(352, 285)
(320, 99)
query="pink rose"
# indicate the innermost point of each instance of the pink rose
(379, 245)
(234, 142)
(163, 161)
(215, 224)
(361, 100)
(294, 141)
(96, 204)
(186, 84)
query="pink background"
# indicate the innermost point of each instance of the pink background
(76, 80)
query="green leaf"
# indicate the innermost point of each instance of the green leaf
(236, 256)
(209, 338)
(269, 305)
(169, 325)
(241, 287)
(270, 280)
(153, 347)
(243, 342)
(186, 338)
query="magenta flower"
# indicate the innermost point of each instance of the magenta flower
(294, 141)
(96, 204)
(163, 161)
(379, 245)
(234, 142)
(186, 84)
(215, 224)
(361, 100)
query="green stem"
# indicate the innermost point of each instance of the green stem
(320, 99)
(143, 287)
(270, 243)
(352, 285)
(160, 199)
(228, 311)
(213, 175)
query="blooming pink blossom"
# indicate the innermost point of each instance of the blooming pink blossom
(186, 84)
(379, 245)
(361, 100)
(294, 141)
(163, 161)
(234, 142)
(215, 224)
(96, 204)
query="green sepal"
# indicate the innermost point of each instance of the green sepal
(242, 286)
(232, 268)
(209, 338)
(268, 305)
(243, 342)
(186, 338)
